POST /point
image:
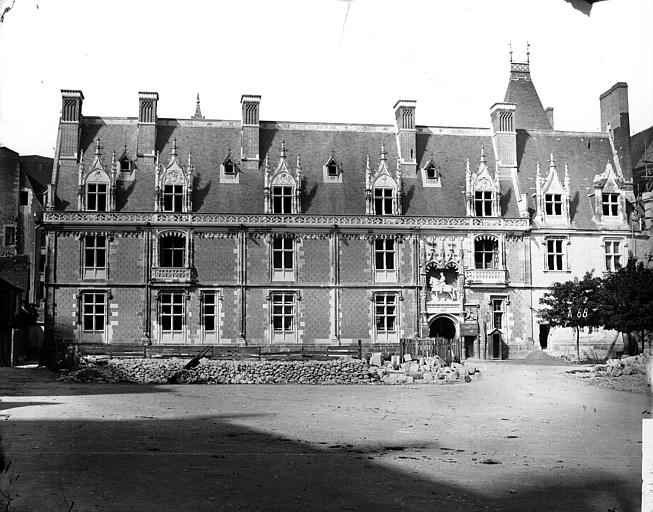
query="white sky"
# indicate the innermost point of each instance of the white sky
(450, 56)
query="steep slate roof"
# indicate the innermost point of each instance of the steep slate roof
(586, 155)
(209, 142)
(529, 114)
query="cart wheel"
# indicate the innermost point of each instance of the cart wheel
(184, 377)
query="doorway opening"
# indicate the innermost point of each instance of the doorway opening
(442, 327)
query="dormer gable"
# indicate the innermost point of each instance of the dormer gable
(383, 192)
(332, 170)
(609, 197)
(431, 175)
(552, 196)
(173, 183)
(229, 170)
(97, 178)
(282, 187)
(483, 190)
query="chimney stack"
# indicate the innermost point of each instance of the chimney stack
(614, 112)
(71, 115)
(146, 138)
(504, 134)
(249, 150)
(406, 136)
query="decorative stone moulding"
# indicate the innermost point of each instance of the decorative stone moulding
(489, 277)
(173, 275)
(132, 218)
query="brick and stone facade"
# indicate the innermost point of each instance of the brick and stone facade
(199, 231)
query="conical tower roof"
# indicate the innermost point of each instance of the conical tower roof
(529, 113)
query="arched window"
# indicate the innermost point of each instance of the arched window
(172, 250)
(486, 252)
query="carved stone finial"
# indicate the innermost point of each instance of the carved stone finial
(299, 164)
(528, 52)
(552, 163)
(267, 160)
(566, 177)
(510, 50)
(174, 147)
(97, 146)
(113, 157)
(283, 148)
(483, 159)
(384, 155)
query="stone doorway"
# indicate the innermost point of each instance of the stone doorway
(442, 327)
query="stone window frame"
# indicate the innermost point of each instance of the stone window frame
(431, 181)
(610, 202)
(607, 242)
(282, 273)
(496, 262)
(172, 292)
(82, 315)
(384, 199)
(97, 194)
(168, 234)
(385, 275)
(93, 272)
(564, 253)
(483, 202)
(283, 198)
(386, 335)
(503, 301)
(217, 306)
(277, 298)
(332, 177)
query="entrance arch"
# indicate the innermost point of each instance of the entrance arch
(442, 327)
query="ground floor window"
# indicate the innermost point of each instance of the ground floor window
(172, 313)
(385, 316)
(283, 317)
(498, 312)
(93, 311)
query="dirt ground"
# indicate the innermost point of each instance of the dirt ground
(520, 438)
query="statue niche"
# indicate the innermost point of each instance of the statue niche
(443, 284)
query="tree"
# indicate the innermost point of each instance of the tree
(627, 301)
(573, 304)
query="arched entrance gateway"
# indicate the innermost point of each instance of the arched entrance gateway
(443, 326)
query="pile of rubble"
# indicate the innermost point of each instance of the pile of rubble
(633, 365)
(424, 370)
(209, 371)
(625, 374)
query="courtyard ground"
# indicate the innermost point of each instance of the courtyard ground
(520, 437)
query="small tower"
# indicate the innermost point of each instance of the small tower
(198, 110)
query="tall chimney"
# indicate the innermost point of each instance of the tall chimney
(250, 127)
(71, 115)
(406, 136)
(614, 111)
(549, 114)
(504, 134)
(146, 138)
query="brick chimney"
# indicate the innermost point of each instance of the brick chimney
(614, 111)
(504, 134)
(71, 115)
(146, 138)
(406, 136)
(250, 128)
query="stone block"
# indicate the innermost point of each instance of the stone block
(375, 359)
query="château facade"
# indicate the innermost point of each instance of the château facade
(199, 231)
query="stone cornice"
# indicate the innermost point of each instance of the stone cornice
(73, 218)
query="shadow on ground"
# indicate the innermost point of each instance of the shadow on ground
(215, 463)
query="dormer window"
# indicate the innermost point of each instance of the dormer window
(96, 197)
(431, 172)
(610, 204)
(125, 164)
(332, 171)
(282, 190)
(173, 198)
(553, 204)
(383, 201)
(173, 184)
(229, 168)
(229, 171)
(282, 199)
(483, 203)
(482, 190)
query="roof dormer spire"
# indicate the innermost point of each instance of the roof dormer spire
(528, 52)
(97, 146)
(483, 159)
(283, 149)
(173, 152)
(384, 155)
(510, 50)
(198, 110)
